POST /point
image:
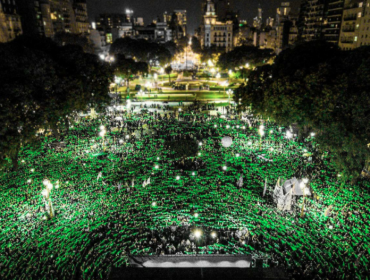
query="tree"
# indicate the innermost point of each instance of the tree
(128, 68)
(65, 39)
(168, 71)
(141, 50)
(172, 48)
(195, 45)
(43, 84)
(210, 53)
(182, 43)
(243, 55)
(177, 31)
(321, 89)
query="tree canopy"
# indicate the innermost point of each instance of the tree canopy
(195, 45)
(321, 89)
(64, 39)
(43, 84)
(141, 50)
(243, 55)
(127, 68)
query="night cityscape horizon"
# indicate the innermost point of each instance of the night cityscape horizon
(150, 10)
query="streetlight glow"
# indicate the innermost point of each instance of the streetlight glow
(198, 233)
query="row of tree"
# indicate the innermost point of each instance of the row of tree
(242, 55)
(42, 86)
(141, 50)
(321, 89)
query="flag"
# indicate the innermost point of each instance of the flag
(278, 192)
(264, 190)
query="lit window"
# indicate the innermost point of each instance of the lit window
(359, 14)
(355, 38)
(360, 5)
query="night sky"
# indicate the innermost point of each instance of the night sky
(150, 9)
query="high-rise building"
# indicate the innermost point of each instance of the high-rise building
(82, 22)
(182, 20)
(355, 24)
(282, 12)
(10, 22)
(286, 27)
(214, 32)
(332, 20)
(270, 21)
(139, 21)
(257, 21)
(167, 17)
(48, 17)
(109, 21)
(62, 16)
(311, 18)
(282, 33)
(33, 18)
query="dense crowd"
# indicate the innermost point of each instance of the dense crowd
(125, 192)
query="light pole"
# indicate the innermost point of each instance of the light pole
(155, 76)
(229, 92)
(186, 58)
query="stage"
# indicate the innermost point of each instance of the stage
(194, 261)
(195, 267)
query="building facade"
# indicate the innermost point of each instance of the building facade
(278, 34)
(311, 19)
(214, 32)
(10, 21)
(355, 26)
(48, 17)
(332, 20)
(182, 20)
(82, 22)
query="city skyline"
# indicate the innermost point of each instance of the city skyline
(149, 10)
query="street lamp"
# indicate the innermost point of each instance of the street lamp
(197, 233)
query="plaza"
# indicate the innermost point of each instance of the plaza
(118, 189)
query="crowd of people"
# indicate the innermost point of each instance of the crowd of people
(125, 192)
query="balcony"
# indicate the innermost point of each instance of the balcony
(347, 41)
(353, 17)
(352, 29)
